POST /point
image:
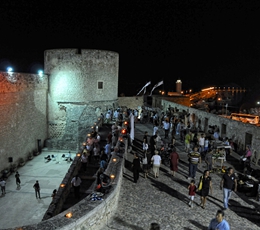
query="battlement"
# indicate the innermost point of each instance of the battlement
(17, 82)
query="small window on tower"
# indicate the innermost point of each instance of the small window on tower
(100, 85)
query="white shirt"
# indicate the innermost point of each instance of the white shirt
(156, 159)
(108, 115)
(145, 146)
(76, 182)
(98, 138)
(202, 141)
(166, 125)
(116, 114)
(155, 129)
(2, 183)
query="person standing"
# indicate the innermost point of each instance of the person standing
(145, 165)
(192, 191)
(84, 160)
(153, 144)
(108, 150)
(208, 160)
(75, 183)
(166, 127)
(155, 128)
(2, 184)
(17, 179)
(227, 183)
(201, 143)
(219, 222)
(157, 160)
(36, 187)
(187, 142)
(204, 185)
(174, 157)
(194, 160)
(136, 167)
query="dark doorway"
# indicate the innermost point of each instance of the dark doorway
(248, 140)
(223, 130)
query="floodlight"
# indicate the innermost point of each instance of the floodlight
(9, 69)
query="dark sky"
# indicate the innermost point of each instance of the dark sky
(203, 43)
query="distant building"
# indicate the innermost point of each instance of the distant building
(178, 86)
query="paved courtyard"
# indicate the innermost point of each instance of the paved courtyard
(165, 200)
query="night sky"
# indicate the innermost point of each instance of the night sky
(203, 43)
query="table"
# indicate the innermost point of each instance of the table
(221, 159)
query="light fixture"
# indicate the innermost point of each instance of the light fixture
(68, 215)
(78, 154)
(112, 176)
(89, 134)
(84, 143)
(9, 69)
(62, 185)
(123, 131)
(40, 72)
(114, 160)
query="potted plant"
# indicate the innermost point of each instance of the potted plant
(21, 162)
(30, 156)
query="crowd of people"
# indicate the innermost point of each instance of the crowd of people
(199, 148)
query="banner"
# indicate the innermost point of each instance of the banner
(148, 83)
(157, 85)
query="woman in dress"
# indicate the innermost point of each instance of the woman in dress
(204, 185)
(174, 160)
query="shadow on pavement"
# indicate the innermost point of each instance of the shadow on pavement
(172, 192)
(245, 212)
(198, 225)
(123, 223)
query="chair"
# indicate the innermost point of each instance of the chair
(255, 158)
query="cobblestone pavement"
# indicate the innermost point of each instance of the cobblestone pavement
(164, 200)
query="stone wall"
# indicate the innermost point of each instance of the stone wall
(131, 102)
(23, 112)
(182, 100)
(241, 133)
(82, 85)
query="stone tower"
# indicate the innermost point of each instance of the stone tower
(178, 86)
(82, 85)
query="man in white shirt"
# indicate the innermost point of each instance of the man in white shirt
(156, 159)
(201, 143)
(75, 183)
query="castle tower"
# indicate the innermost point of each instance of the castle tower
(178, 86)
(82, 85)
